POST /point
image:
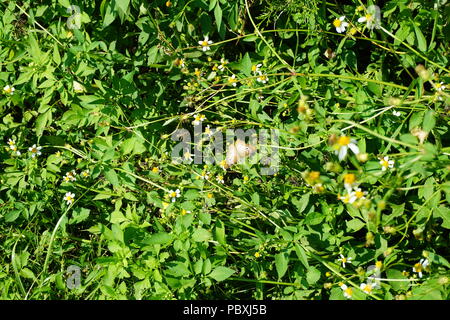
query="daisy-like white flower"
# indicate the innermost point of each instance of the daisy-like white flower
(343, 144)
(349, 181)
(232, 80)
(262, 77)
(369, 19)
(386, 163)
(174, 194)
(348, 292)
(344, 260)
(35, 150)
(69, 197)
(198, 118)
(396, 113)
(223, 164)
(368, 287)
(420, 266)
(204, 175)
(188, 157)
(14, 149)
(205, 43)
(340, 24)
(208, 131)
(9, 90)
(440, 86)
(359, 194)
(347, 198)
(11, 143)
(223, 62)
(255, 68)
(85, 173)
(70, 176)
(220, 179)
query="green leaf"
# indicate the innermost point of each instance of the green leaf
(397, 275)
(421, 41)
(355, 225)
(246, 65)
(79, 215)
(158, 238)
(201, 235)
(443, 213)
(301, 254)
(312, 275)
(219, 232)
(112, 177)
(281, 263)
(429, 121)
(12, 215)
(218, 16)
(221, 273)
(314, 218)
(123, 5)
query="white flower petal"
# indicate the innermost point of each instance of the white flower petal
(342, 153)
(353, 147)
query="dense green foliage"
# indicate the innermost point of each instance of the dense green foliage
(93, 90)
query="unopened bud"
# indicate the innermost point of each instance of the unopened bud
(423, 72)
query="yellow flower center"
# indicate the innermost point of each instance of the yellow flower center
(418, 267)
(69, 198)
(197, 72)
(349, 178)
(254, 68)
(34, 150)
(210, 195)
(11, 142)
(367, 288)
(359, 194)
(438, 85)
(349, 291)
(344, 260)
(173, 194)
(314, 175)
(384, 163)
(155, 170)
(378, 264)
(204, 43)
(262, 78)
(368, 17)
(343, 141)
(223, 163)
(231, 80)
(337, 23)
